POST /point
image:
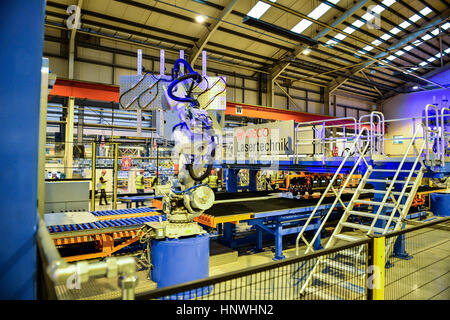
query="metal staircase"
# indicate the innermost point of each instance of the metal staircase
(381, 216)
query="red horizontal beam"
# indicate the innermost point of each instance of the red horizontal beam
(110, 93)
(271, 113)
(85, 90)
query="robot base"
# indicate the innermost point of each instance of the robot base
(167, 229)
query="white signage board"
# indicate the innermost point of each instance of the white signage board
(258, 142)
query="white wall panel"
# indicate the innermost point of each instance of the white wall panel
(52, 47)
(95, 55)
(92, 72)
(59, 66)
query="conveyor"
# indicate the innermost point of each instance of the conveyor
(270, 213)
(112, 231)
(111, 219)
(249, 205)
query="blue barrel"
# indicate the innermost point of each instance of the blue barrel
(440, 204)
(180, 260)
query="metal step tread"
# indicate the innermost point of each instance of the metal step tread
(352, 254)
(327, 278)
(395, 170)
(376, 203)
(389, 182)
(349, 285)
(321, 294)
(371, 215)
(361, 227)
(342, 266)
(347, 237)
(395, 193)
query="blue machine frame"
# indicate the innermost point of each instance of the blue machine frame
(22, 42)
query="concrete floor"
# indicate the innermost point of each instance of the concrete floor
(427, 275)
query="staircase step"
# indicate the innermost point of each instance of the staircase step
(348, 285)
(352, 254)
(395, 193)
(395, 170)
(389, 182)
(371, 215)
(361, 227)
(376, 203)
(347, 237)
(322, 295)
(341, 266)
(327, 278)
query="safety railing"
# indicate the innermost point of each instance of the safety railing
(376, 131)
(398, 201)
(361, 154)
(319, 137)
(329, 133)
(445, 135)
(324, 135)
(57, 271)
(432, 131)
(376, 275)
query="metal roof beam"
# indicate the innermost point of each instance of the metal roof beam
(336, 83)
(279, 68)
(200, 44)
(405, 86)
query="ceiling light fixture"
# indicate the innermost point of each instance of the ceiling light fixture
(200, 19)
(306, 51)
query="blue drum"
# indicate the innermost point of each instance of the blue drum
(180, 260)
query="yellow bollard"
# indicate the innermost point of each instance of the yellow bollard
(379, 263)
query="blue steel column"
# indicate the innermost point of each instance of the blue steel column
(252, 180)
(231, 183)
(279, 242)
(22, 39)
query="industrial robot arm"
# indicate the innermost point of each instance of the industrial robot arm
(193, 153)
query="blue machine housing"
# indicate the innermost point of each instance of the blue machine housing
(440, 204)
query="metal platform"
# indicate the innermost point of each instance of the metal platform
(318, 165)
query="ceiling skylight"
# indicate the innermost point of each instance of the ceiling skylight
(319, 11)
(425, 11)
(259, 9)
(429, 60)
(358, 23)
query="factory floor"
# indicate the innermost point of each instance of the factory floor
(433, 261)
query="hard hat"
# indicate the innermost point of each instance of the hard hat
(103, 171)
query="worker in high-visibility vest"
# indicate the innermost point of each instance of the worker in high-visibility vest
(213, 181)
(103, 182)
(140, 184)
(153, 181)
